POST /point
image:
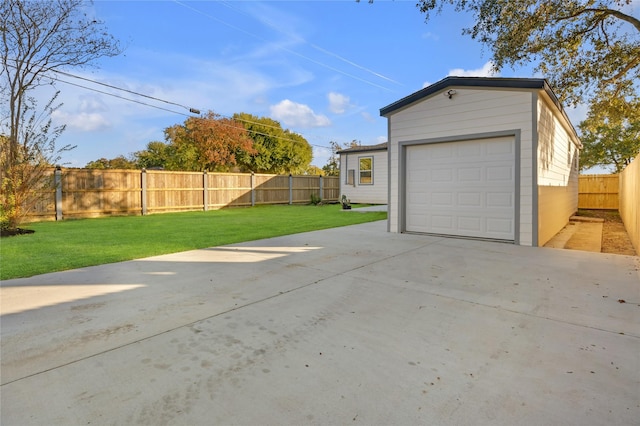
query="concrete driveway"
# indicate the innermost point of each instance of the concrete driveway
(345, 326)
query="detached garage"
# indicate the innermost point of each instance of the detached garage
(488, 158)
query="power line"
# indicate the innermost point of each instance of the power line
(117, 96)
(191, 110)
(255, 132)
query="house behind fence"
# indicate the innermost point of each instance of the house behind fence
(81, 193)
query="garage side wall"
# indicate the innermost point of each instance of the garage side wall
(557, 173)
(469, 112)
(375, 192)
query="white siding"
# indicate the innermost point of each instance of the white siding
(557, 173)
(375, 193)
(470, 111)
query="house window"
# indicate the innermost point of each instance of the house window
(365, 168)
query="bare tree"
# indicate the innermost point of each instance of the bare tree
(39, 38)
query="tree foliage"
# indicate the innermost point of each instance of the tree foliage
(581, 46)
(589, 50)
(38, 38)
(209, 142)
(278, 150)
(120, 162)
(215, 143)
(610, 135)
(332, 168)
(158, 155)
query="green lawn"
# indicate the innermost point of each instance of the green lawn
(57, 246)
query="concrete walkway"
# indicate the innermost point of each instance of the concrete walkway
(581, 233)
(351, 325)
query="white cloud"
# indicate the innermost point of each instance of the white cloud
(297, 115)
(368, 117)
(485, 71)
(426, 84)
(338, 103)
(83, 121)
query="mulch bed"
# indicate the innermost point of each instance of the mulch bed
(14, 232)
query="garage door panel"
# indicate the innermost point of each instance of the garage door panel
(500, 173)
(499, 199)
(469, 174)
(471, 226)
(465, 188)
(441, 175)
(442, 199)
(442, 223)
(469, 150)
(470, 199)
(442, 151)
(500, 226)
(500, 147)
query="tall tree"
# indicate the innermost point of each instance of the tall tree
(332, 168)
(589, 50)
(610, 134)
(156, 155)
(581, 46)
(278, 150)
(120, 162)
(209, 142)
(38, 38)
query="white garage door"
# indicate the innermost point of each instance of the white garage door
(464, 188)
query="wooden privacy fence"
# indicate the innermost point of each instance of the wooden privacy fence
(82, 193)
(598, 192)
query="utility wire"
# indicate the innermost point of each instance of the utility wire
(118, 96)
(191, 110)
(255, 132)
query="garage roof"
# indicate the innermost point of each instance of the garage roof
(364, 148)
(496, 82)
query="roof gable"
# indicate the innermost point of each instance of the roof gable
(479, 82)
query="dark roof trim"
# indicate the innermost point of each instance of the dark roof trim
(490, 82)
(366, 148)
(495, 82)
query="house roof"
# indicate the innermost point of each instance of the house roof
(492, 82)
(364, 148)
(488, 82)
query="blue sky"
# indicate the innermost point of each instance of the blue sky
(322, 68)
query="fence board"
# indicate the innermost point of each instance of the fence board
(174, 191)
(598, 192)
(93, 192)
(630, 201)
(44, 207)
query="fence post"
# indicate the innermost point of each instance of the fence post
(290, 189)
(321, 189)
(205, 194)
(253, 189)
(57, 181)
(143, 184)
